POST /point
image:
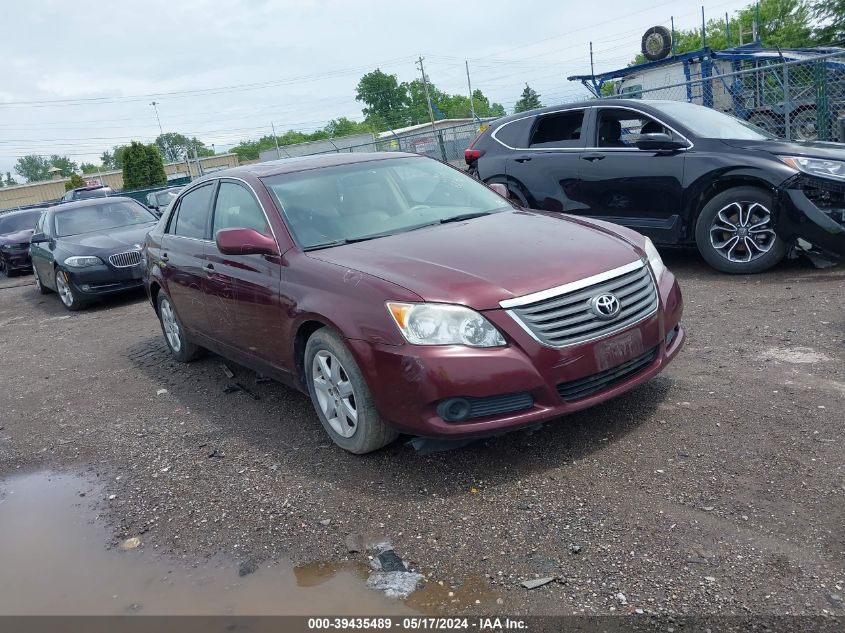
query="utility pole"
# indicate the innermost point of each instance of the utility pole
(155, 107)
(592, 68)
(276, 140)
(431, 112)
(703, 30)
(469, 86)
(197, 161)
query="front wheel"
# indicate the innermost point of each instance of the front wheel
(182, 349)
(69, 296)
(341, 396)
(735, 232)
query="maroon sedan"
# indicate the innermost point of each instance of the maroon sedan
(16, 227)
(405, 296)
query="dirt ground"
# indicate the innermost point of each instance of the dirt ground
(716, 488)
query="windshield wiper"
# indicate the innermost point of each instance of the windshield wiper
(465, 216)
(364, 238)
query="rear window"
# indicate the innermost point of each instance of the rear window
(562, 129)
(515, 133)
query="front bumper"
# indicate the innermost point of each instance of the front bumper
(408, 382)
(814, 210)
(96, 281)
(17, 259)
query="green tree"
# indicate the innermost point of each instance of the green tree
(142, 166)
(783, 24)
(90, 168)
(33, 167)
(386, 100)
(64, 164)
(830, 19)
(483, 107)
(75, 181)
(9, 180)
(528, 101)
(175, 147)
(345, 127)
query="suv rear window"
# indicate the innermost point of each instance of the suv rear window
(562, 129)
(515, 133)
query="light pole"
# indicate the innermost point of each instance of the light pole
(155, 107)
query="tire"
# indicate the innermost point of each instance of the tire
(766, 122)
(44, 290)
(656, 43)
(734, 232)
(67, 293)
(344, 392)
(804, 126)
(178, 343)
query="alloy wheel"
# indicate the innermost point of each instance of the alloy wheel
(335, 393)
(171, 326)
(742, 232)
(63, 287)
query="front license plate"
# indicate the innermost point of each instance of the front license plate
(619, 349)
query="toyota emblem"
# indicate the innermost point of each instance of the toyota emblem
(605, 306)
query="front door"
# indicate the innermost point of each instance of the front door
(625, 185)
(183, 253)
(543, 169)
(42, 252)
(243, 290)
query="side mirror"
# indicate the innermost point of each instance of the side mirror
(245, 242)
(658, 141)
(499, 188)
(38, 238)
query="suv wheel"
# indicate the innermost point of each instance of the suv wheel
(341, 396)
(182, 349)
(735, 232)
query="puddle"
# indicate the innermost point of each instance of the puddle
(56, 561)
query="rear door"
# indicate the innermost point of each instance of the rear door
(544, 166)
(183, 251)
(625, 185)
(42, 253)
(243, 290)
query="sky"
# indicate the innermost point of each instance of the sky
(79, 78)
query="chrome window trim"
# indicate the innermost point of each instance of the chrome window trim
(589, 149)
(542, 295)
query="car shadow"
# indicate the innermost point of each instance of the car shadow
(283, 423)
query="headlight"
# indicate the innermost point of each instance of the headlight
(817, 166)
(83, 261)
(443, 324)
(654, 259)
(6, 247)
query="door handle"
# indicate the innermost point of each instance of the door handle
(522, 160)
(592, 157)
(209, 268)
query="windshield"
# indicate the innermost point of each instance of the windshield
(19, 221)
(366, 200)
(101, 217)
(708, 123)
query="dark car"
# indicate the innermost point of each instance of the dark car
(403, 295)
(16, 228)
(677, 172)
(159, 200)
(84, 193)
(89, 249)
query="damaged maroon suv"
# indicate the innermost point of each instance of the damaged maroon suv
(404, 296)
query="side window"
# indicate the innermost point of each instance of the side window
(236, 208)
(39, 226)
(515, 133)
(621, 128)
(562, 129)
(191, 219)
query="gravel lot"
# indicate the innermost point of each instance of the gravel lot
(715, 488)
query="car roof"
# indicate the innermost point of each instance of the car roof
(304, 163)
(6, 214)
(592, 103)
(91, 202)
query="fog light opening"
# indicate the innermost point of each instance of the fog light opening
(85, 287)
(454, 409)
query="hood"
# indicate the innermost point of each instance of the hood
(18, 237)
(111, 241)
(832, 151)
(483, 261)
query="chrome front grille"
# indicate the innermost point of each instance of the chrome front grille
(125, 260)
(567, 318)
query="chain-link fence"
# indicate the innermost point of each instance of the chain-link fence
(446, 143)
(802, 99)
